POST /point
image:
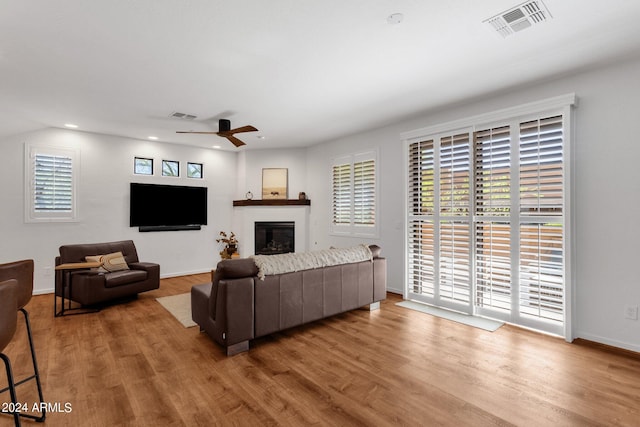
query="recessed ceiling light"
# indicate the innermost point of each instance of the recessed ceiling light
(216, 147)
(153, 138)
(71, 126)
(395, 18)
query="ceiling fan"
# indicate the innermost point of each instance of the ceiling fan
(225, 131)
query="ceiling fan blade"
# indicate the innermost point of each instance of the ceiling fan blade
(191, 131)
(243, 129)
(235, 141)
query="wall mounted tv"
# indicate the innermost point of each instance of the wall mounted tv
(156, 207)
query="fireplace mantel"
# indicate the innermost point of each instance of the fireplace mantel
(273, 202)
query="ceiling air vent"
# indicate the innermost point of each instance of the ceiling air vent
(519, 18)
(182, 116)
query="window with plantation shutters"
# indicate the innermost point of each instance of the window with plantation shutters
(354, 195)
(50, 190)
(487, 225)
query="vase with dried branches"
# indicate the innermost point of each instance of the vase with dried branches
(230, 244)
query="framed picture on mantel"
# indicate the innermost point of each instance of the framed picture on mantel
(274, 183)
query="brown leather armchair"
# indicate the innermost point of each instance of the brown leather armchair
(90, 287)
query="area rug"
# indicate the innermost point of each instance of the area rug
(180, 307)
(476, 322)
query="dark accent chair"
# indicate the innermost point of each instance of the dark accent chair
(21, 273)
(89, 287)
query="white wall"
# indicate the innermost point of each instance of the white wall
(606, 190)
(106, 169)
(251, 163)
(390, 200)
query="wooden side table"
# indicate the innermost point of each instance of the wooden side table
(66, 282)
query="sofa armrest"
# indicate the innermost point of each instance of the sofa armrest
(234, 310)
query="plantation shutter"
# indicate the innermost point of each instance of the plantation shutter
(364, 195)
(541, 212)
(455, 225)
(492, 157)
(342, 194)
(492, 164)
(541, 167)
(421, 236)
(53, 183)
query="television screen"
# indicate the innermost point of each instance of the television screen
(167, 205)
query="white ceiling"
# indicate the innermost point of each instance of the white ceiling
(301, 71)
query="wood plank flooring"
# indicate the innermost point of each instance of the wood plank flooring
(133, 364)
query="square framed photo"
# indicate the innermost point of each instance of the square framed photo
(170, 168)
(142, 166)
(194, 170)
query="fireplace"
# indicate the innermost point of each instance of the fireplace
(274, 237)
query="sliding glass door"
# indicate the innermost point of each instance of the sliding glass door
(486, 221)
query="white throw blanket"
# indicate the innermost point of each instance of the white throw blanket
(286, 263)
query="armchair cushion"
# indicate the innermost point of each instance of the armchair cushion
(124, 277)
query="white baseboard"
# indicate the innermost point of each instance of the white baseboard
(395, 290)
(185, 273)
(608, 341)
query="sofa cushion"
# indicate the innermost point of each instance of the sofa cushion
(124, 277)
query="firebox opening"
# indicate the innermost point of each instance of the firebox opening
(273, 238)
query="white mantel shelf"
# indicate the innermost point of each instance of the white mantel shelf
(273, 202)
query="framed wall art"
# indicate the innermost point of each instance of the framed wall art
(274, 183)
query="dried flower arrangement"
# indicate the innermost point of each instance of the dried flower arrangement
(230, 244)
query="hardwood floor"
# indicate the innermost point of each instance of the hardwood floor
(134, 365)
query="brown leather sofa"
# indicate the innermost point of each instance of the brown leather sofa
(90, 287)
(237, 306)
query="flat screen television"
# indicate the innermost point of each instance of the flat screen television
(155, 207)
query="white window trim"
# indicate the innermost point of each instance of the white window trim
(562, 104)
(30, 215)
(481, 120)
(351, 229)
